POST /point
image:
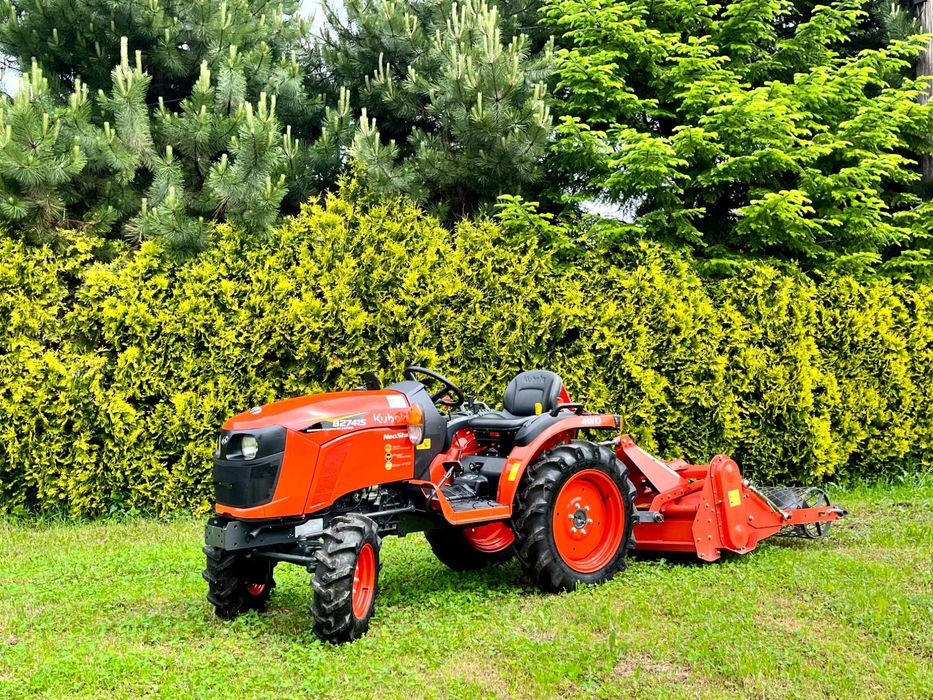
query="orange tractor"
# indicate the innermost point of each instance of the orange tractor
(319, 480)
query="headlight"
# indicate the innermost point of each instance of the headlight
(249, 446)
(254, 443)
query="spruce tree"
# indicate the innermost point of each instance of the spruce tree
(745, 128)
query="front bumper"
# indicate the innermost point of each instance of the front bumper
(232, 535)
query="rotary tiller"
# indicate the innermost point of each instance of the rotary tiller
(319, 480)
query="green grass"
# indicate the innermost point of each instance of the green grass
(117, 609)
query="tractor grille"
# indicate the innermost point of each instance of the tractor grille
(246, 484)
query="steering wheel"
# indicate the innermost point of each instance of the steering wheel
(411, 373)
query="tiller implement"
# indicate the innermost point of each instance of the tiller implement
(319, 480)
(707, 509)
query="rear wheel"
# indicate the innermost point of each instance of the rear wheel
(574, 517)
(237, 583)
(346, 578)
(471, 547)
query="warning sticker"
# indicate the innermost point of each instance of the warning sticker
(735, 498)
(513, 470)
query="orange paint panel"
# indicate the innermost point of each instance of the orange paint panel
(359, 459)
(334, 413)
(673, 535)
(729, 497)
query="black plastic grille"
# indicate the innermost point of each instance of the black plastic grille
(246, 484)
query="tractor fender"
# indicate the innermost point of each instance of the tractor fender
(562, 431)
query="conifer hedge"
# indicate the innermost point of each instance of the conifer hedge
(114, 377)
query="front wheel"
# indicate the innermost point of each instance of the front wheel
(574, 517)
(237, 582)
(346, 579)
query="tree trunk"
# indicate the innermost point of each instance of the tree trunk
(925, 67)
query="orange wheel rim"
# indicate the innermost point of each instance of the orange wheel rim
(489, 538)
(255, 589)
(364, 581)
(589, 520)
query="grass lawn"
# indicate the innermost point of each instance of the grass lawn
(117, 609)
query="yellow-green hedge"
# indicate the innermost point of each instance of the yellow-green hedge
(114, 377)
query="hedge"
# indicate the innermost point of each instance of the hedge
(114, 377)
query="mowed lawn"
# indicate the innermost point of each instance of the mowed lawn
(117, 609)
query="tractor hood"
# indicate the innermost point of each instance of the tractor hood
(345, 410)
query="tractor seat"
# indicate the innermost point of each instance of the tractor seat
(522, 395)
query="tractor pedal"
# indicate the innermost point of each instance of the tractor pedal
(462, 498)
(462, 506)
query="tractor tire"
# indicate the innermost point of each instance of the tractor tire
(237, 583)
(453, 549)
(346, 579)
(574, 517)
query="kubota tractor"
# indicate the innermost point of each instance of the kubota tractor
(319, 480)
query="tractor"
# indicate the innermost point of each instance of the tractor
(319, 480)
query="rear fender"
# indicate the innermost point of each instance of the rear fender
(563, 431)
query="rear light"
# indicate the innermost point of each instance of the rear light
(415, 424)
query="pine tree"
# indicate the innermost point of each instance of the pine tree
(60, 168)
(38, 158)
(187, 131)
(166, 115)
(73, 39)
(453, 102)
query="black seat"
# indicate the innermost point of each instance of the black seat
(529, 397)
(528, 389)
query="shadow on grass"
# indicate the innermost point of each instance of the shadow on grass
(685, 559)
(426, 584)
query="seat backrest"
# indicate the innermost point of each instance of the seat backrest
(530, 388)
